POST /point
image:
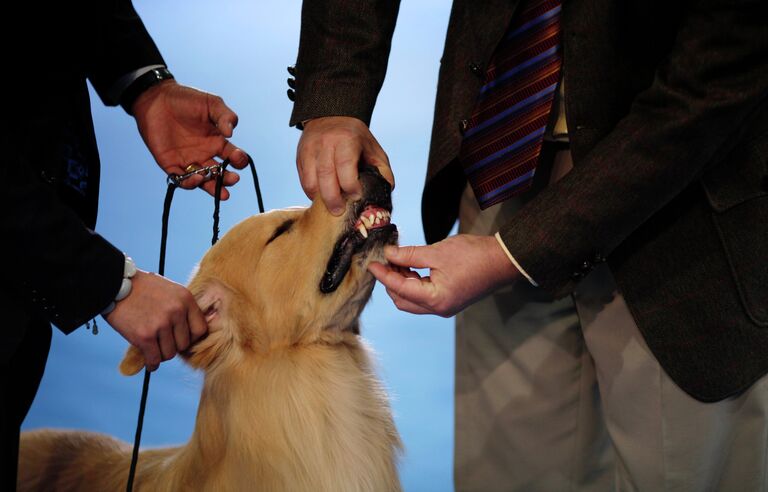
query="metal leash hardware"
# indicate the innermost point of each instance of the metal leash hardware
(174, 181)
(207, 172)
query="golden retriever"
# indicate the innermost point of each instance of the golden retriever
(290, 401)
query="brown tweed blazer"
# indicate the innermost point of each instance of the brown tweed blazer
(667, 110)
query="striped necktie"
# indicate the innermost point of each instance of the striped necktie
(503, 137)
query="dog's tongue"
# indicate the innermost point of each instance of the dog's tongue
(339, 264)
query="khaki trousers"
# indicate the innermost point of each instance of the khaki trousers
(561, 395)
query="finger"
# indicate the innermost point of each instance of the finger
(307, 175)
(151, 353)
(328, 183)
(378, 158)
(230, 178)
(224, 118)
(347, 157)
(406, 272)
(167, 343)
(196, 320)
(235, 155)
(407, 306)
(189, 183)
(410, 256)
(181, 337)
(238, 158)
(417, 291)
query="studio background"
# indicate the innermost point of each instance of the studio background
(240, 50)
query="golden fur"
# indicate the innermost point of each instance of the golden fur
(289, 401)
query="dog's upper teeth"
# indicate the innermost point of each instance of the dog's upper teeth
(366, 221)
(371, 218)
(363, 230)
(379, 214)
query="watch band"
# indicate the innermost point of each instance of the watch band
(142, 83)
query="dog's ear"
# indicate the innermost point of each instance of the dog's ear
(132, 363)
(215, 300)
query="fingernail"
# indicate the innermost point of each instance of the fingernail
(337, 210)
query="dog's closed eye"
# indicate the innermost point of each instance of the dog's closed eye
(282, 228)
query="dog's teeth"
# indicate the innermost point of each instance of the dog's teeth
(378, 220)
(363, 230)
(365, 221)
(379, 215)
(371, 218)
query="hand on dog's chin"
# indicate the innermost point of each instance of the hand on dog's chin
(159, 317)
(463, 269)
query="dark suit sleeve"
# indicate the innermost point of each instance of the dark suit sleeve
(63, 271)
(710, 86)
(119, 44)
(342, 59)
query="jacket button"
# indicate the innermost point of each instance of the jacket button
(598, 258)
(291, 94)
(463, 125)
(292, 70)
(291, 83)
(476, 69)
(577, 276)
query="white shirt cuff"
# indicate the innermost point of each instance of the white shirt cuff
(514, 262)
(117, 89)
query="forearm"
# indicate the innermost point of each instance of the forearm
(67, 273)
(342, 58)
(119, 44)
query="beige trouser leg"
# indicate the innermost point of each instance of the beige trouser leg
(527, 406)
(539, 381)
(664, 439)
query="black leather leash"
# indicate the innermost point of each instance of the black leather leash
(174, 181)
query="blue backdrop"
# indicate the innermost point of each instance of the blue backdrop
(240, 50)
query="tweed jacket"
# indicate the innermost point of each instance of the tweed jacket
(56, 267)
(667, 110)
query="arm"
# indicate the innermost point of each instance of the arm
(340, 68)
(714, 78)
(706, 90)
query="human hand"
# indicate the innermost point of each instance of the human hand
(182, 126)
(328, 156)
(463, 269)
(159, 317)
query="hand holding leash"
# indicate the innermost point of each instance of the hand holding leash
(186, 129)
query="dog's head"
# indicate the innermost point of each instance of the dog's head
(289, 277)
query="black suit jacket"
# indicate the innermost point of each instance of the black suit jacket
(56, 267)
(666, 104)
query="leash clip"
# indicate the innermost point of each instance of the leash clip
(208, 172)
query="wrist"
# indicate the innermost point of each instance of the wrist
(331, 120)
(505, 270)
(139, 88)
(129, 271)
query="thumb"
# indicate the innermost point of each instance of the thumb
(408, 256)
(224, 118)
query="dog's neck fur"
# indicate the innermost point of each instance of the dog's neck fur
(317, 418)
